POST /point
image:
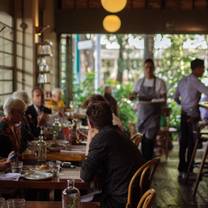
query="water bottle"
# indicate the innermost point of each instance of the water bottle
(56, 129)
(41, 148)
(70, 196)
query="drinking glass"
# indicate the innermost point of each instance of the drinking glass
(16, 166)
(2, 202)
(16, 203)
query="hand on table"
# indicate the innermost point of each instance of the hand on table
(4, 164)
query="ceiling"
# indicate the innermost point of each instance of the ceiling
(140, 4)
(139, 16)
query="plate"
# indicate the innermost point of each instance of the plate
(38, 175)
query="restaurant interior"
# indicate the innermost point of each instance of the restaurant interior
(42, 165)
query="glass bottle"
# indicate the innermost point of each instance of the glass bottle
(56, 129)
(74, 132)
(70, 196)
(41, 148)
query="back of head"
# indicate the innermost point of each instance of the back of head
(13, 104)
(99, 114)
(93, 99)
(22, 95)
(197, 63)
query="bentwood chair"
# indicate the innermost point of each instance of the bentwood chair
(147, 199)
(136, 138)
(141, 181)
(200, 135)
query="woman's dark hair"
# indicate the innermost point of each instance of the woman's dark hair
(93, 99)
(99, 114)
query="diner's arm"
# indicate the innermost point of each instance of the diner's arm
(4, 164)
(96, 156)
(201, 87)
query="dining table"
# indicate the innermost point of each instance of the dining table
(76, 153)
(52, 183)
(57, 204)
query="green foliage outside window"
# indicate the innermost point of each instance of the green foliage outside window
(171, 66)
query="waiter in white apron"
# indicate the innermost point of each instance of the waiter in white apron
(151, 92)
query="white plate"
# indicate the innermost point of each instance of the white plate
(37, 175)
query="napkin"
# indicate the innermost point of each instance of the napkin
(89, 197)
(10, 176)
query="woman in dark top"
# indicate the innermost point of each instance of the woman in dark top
(111, 157)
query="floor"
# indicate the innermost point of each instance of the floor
(172, 193)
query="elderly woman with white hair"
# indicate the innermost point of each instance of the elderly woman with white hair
(56, 103)
(11, 134)
(22, 95)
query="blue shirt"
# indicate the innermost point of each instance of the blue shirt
(188, 94)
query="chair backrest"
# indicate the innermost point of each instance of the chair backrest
(136, 138)
(147, 199)
(141, 181)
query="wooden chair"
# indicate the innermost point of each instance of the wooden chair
(141, 181)
(164, 136)
(136, 138)
(200, 136)
(200, 173)
(147, 199)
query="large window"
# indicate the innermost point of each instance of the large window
(6, 56)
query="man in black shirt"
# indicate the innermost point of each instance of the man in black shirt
(111, 157)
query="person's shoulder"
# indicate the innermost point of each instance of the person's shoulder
(183, 79)
(61, 103)
(4, 127)
(105, 134)
(47, 110)
(160, 80)
(138, 83)
(140, 80)
(30, 108)
(3, 123)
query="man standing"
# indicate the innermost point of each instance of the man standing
(111, 157)
(151, 92)
(188, 95)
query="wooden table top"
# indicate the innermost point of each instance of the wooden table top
(57, 204)
(40, 184)
(50, 184)
(76, 153)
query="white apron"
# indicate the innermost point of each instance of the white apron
(148, 113)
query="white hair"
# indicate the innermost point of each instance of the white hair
(22, 95)
(11, 104)
(56, 91)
